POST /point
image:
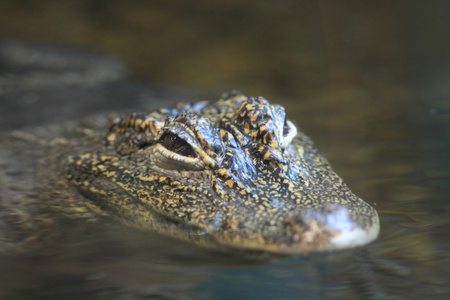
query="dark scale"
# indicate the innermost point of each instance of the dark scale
(234, 174)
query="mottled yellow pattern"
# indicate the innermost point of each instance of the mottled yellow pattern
(234, 174)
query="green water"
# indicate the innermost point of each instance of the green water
(367, 82)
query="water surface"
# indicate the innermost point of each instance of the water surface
(368, 83)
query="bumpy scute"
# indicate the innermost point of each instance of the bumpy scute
(232, 174)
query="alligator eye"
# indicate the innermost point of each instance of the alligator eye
(176, 144)
(289, 133)
(144, 144)
(286, 127)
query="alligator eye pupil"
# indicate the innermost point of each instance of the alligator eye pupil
(175, 144)
(144, 145)
(285, 128)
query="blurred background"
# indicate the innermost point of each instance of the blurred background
(332, 56)
(287, 48)
(368, 81)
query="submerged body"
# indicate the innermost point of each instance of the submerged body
(230, 175)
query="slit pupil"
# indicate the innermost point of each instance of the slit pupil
(144, 145)
(176, 144)
(285, 127)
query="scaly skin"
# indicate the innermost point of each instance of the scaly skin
(229, 175)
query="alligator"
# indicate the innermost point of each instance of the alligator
(234, 174)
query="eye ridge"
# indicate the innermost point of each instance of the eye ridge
(176, 144)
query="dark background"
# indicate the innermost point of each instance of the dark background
(368, 81)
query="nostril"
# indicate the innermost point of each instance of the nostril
(330, 227)
(332, 216)
(342, 230)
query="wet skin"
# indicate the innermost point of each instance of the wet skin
(232, 174)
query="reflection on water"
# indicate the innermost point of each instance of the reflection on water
(282, 279)
(379, 111)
